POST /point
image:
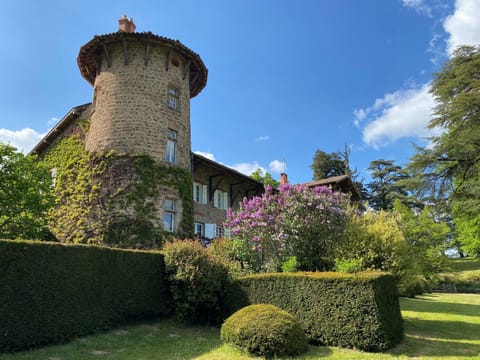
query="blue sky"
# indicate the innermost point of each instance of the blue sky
(285, 77)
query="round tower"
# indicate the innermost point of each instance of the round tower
(143, 84)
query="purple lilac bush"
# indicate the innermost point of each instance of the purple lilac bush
(293, 221)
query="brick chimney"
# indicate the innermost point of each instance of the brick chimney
(283, 179)
(126, 25)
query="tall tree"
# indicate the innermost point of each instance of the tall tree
(264, 177)
(25, 196)
(326, 165)
(449, 169)
(385, 187)
(335, 164)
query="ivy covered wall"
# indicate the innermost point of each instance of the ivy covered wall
(114, 199)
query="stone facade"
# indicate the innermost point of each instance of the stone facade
(143, 84)
(216, 177)
(131, 114)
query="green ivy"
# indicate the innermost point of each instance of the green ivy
(89, 210)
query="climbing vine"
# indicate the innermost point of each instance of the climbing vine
(113, 199)
(76, 191)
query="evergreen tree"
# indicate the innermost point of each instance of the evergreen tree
(335, 164)
(385, 187)
(327, 165)
(448, 171)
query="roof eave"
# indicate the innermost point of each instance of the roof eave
(50, 137)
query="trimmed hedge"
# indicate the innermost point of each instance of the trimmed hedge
(359, 310)
(52, 293)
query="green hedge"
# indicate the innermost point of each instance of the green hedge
(359, 311)
(51, 292)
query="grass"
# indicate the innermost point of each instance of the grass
(464, 273)
(466, 264)
(437, 326)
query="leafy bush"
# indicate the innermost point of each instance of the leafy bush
(375, 239)
(264, 330)
(25, 196)
(53, 293)
(348, 266)
(197, 282)
(295, 221)
(229, 252)
(290, 265)
(348, 310)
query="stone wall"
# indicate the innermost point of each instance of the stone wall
(131, 115)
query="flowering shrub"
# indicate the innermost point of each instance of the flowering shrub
(293, 221)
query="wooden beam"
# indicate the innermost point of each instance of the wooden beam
(212, 188)
(98, 65)
(234, 194)
(194, 78)
(107, 56)
(186, 68)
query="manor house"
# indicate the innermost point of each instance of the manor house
(142, 86)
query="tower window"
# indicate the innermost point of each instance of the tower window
(173, 98)
(171, 155)
(169, 215)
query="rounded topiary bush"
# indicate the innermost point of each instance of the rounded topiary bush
(264, 330)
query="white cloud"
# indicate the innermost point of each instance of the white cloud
(247, 168)
(24, 140)
(277, 166)
(420, 6)
(403, 113)
(206, 154)
(435, 48)
(463, 25)
(406, 112)
(262, 138)
(53, 120)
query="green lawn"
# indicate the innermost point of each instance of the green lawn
(437, 326)
(464, 273)
(466, 264)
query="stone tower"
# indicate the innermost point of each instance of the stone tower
(143, 84)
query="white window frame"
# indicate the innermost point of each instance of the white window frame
(220, 199)
(173, 98)
(53, 173)
(219, 231)
(169, 208)
(171, 151)
(199, 226)
(210, 231)
(200, 193)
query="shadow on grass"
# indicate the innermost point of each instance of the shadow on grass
(443, 330)
(439, 338)
(416, 347)
(433, 306)
(164, 339)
